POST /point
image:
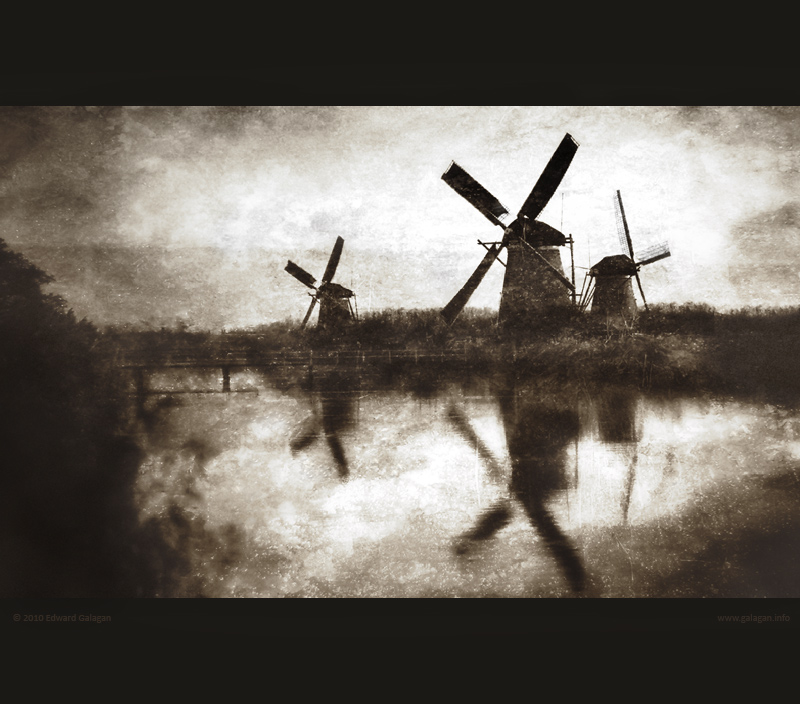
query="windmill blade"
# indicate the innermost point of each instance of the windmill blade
(641, 290)
(587, 297)
(333, 262)
(300, 274)
(451, 310)
(622, 227)
(467, 187)
(308, 313)
(337, 409)
(550, 268)
(626, 501)
(550, 179)
(654, 253)
(465, 430)
(337, 451)
(306, 434)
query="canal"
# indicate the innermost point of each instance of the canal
(334, 485)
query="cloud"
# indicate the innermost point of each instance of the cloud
(763, 257)
(264, 184)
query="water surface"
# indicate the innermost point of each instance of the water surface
(333, 487)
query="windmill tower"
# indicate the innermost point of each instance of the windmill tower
(610, 290)
(534, 280)
(334, 300)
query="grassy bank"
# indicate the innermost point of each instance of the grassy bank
(750, 353)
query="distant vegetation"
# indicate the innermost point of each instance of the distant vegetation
(687, 348)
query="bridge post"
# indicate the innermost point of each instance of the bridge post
(141, 391)
(226, 379)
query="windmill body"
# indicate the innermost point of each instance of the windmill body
(335, 307)
(613, 287)
(529, 287)
(534, 279)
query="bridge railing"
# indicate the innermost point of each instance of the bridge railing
(237, 359)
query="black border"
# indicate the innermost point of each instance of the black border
(340, 81)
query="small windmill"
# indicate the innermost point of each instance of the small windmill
(610, 290)
(334, 299)
(534, 276)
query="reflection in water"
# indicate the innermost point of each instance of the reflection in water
(539, 425)
(333, 395)
(705, 491)
(617, 423)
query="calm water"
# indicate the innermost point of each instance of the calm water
(503, 489)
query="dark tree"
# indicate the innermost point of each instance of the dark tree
(69, 526)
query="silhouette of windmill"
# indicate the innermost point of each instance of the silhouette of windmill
(534, 278)
(334, 299)
(610, 290)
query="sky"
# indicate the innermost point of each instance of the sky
(159, 215)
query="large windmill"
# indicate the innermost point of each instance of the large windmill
(610, 290)
(534, 276)
(334, 299)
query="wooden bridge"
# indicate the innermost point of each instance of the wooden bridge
(141, 365)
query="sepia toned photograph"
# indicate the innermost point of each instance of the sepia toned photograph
(401, 352)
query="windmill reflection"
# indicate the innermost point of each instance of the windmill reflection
(616, 410)
(539, 426)
(333, 394)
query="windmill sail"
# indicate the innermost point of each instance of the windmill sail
(456, 305)
(654, 253)
(333, 262)
(308, 312)
(300, 274)
(622, 227)
(467, 187)
(550, 179)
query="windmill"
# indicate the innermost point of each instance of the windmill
(610, 290)
(534, 277)
(334, 299)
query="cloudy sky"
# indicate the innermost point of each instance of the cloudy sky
(153, 215)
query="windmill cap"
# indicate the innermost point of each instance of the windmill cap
(538, 233)
(615, 265)
(336, 291)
